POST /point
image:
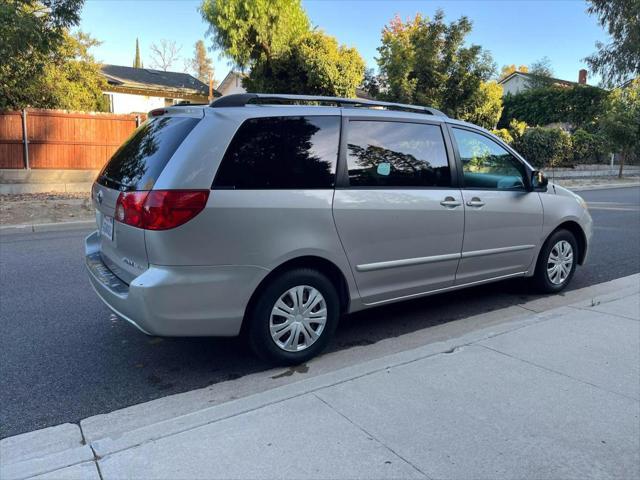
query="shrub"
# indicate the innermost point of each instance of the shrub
(545, 147)
(588, 147)
(580, 105)
(504, 135)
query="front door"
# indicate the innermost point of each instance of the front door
(503, 219)
(399, 218)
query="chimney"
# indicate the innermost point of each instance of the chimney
(582, 77)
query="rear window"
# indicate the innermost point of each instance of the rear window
(138, 163)
(281, 153)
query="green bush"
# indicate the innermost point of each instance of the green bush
(588, 147)
(581, 106)
(504, 135)
(545, 147)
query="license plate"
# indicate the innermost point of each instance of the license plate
(107, 227)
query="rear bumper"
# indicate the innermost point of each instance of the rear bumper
(176, 301)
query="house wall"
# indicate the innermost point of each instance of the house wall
(515, 85)
(128, 103)
(233, 85)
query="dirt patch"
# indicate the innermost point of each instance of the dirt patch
(35, 208)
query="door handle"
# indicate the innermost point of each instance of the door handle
(450, 202)
(475, 202)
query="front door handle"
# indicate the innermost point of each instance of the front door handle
(450, 202)
(475, 202)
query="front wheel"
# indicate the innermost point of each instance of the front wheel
(556, 262)
(294, 317)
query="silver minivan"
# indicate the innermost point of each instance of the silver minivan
(272, 215)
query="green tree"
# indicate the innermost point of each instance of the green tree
(73, 80)
(371, 83)
(201, 64)
(485, 108)
(425, 62)
(619, 59)
(32, 31)
(248, 31)
(137, 62)
(621, 122)
(315, 65)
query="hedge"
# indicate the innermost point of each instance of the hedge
(580, 106)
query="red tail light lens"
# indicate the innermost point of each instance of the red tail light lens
(160, 209)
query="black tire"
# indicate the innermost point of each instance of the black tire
(258, 331)
(541, 279)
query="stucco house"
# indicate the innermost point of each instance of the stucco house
(232, 83)
(134, 90)
(518, 82)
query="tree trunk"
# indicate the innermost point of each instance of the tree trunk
(623, 154)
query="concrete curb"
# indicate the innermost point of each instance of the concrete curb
(46, 227)
(602, 186)
(69, 446)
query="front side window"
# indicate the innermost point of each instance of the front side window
(282, 153)
(396, 154)
(485, 164)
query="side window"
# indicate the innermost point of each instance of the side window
(485, 164)
(396, 154)
(280, 153)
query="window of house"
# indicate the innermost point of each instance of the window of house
(282, 152)
(396, 154)
(485, 164)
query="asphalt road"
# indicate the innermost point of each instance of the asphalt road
(64, 356)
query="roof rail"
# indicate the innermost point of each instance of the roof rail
(242, 99)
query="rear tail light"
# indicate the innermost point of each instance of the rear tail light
(160, 209)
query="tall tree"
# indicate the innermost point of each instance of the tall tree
(509, 69)
(251, 30)
(73, 81)
(201, 65)
(620, 59)
(621, 121)
(424, 61)
(272, 38)
(32, 33)
(137, 62)
(163, 56)
(315, 65)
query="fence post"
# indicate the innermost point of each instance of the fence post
(137, 121)
(25, 139)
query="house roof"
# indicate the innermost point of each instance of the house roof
(148, 79)
(532, 76)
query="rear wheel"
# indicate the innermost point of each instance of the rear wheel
(556, 262)
(294, 317)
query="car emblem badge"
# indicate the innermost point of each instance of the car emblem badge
(99, 197)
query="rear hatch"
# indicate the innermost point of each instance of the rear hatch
(136, 166)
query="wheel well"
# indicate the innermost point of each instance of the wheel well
(579, 235)
(320, 264)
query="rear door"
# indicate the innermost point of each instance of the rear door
(503, 219)
(399, 216)
(135, 166)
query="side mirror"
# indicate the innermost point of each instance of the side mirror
(539, 181)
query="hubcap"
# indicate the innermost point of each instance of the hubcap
(298, 318)
(560, 262)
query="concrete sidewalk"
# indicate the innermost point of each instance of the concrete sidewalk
(544, 395)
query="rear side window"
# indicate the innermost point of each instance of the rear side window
(280, 153)
(396, 154)
(138, 163)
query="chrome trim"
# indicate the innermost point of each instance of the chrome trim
(446, 289)
(493, 251)
(368, 267)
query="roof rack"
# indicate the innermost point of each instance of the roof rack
(242, 99)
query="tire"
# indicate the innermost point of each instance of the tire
(547, 281)
(287, 318)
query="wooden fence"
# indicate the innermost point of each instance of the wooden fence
(58, 139)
